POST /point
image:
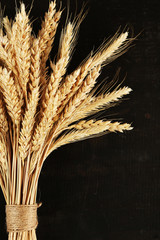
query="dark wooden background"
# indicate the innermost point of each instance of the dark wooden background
(107, 188)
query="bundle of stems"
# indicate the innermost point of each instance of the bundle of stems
(43, 108)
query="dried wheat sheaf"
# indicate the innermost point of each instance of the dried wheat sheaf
(42, 109)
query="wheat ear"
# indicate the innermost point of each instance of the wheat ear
(6, 56)
(8, 26)
(3, 154)
(65, 50)
(112, 127)
(95, 104)
(29, 116)
(21, 41)
(110, 50)
(13, 102)
(87, 129)
(47, 33)
(3, 117)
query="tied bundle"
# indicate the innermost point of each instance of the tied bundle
(43, 108)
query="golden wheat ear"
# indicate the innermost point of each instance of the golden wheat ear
(89, 129)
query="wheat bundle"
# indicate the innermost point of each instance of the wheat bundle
(41, 111)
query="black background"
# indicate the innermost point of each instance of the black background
(107, 188)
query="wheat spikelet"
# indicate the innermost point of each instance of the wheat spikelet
(5, 56)
(13, 102)
(29, 117)
(8, 26)
(87, 124)
(21, 40)
(86, 130)
(47, 33)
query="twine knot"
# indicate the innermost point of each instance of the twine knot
(20, 218)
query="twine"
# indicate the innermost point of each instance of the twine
(20, 218)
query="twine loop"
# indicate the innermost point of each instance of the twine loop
(20, 218)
